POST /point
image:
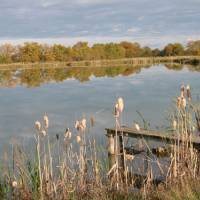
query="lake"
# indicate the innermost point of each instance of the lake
(68, 94)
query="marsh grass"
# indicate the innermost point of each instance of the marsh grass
(74, 166)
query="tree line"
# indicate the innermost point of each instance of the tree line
(35, 52)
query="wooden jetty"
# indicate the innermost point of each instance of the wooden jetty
(147, 135)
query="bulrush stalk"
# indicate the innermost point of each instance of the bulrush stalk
(81, 140)
(38, 127)
(182, 91)
(46, 126)
(116, 114)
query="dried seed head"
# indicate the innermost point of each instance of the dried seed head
(43, 132)
(46, 121)
(174, 124)
(83, 124)
(183, 102)
(188, 92)
(14, 184)
(92, 121)
(38, 125)
(68, 134)
(129, 157)
(178, 102)
(182, 91)
(77, 125)
(120, 103)
(78, 139)
(137, 127)
(193, 128)
(116, 111)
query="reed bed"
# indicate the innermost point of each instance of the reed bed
(70, 166)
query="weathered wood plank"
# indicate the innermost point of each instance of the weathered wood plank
(168, 137)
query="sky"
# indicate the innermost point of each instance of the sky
(150, 22)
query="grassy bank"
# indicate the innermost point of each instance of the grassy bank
(104, 63)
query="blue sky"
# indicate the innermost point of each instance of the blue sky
(149, 22)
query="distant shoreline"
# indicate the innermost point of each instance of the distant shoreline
(103, 63)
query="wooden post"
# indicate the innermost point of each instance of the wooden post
(111, 150)
(121, 142)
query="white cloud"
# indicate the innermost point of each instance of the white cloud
(95, 1)
(133, 30)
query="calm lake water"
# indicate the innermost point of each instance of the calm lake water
(66, 94)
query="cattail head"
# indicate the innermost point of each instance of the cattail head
(182, 90)
(92, 121)
(46, 121)
(77, 125)
(38, 125)
(178, 102)
(83, 123)
(120, 103)
(174, 124)
(183, 103)
(68, 134)
(137, 127)
(43, 132)
(116, 110)
(78, 139)
(188, 92)
(14, 184)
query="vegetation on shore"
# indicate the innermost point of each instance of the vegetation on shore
(73, 166)
(31, 52)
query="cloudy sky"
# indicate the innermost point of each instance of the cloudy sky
(150, 22)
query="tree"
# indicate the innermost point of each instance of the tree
(83, 51)
(30, 52)
(98, 51)
(156, 52)
(175, 49)
(47, 54)
(131, 49)
(114, 51)
(7, 51)
(193, 48)
(146, 52)
(59, 52)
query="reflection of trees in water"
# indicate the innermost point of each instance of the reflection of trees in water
(174, 66)
(37, 76)
(179, 67)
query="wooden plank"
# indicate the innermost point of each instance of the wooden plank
(168, 137)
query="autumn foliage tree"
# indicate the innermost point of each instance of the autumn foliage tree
(31, 52)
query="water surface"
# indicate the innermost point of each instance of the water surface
(67, 94)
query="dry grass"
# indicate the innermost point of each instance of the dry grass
(70, 167)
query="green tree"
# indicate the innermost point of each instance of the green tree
(114, 51)
(156, 52)
(98, 51)
(146, 52)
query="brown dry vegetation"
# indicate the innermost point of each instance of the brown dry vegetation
(71, 167)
